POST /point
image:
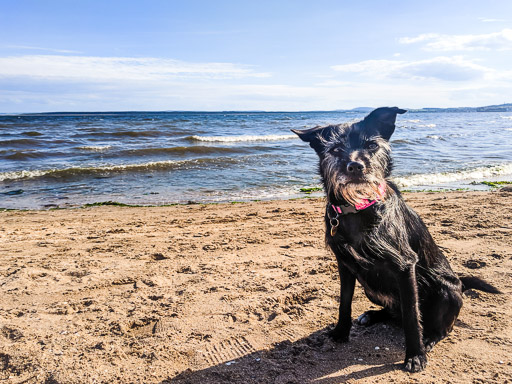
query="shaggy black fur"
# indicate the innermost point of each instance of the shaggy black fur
(386, 247)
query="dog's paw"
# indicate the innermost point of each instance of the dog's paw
(339, 335)
(429, 344)
(415, 363)
(364, 319)
(373, 317)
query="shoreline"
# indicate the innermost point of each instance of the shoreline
(306, 193)
(241, 293)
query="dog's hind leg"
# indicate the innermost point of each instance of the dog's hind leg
(341, 332)
(373, 317)
(439, 315)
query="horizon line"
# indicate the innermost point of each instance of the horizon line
(357, 109)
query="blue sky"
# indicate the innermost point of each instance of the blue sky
(252, 55)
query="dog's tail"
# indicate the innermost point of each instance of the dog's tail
(472, 282)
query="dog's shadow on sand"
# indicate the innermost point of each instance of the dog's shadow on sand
(371, 352)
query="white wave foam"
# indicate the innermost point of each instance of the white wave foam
(165, 164)
(233, 139)
(447, 177)
(415, 124)
(506, 117)
(15, 175)
(95, 148)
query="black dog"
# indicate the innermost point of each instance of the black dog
(380, 241)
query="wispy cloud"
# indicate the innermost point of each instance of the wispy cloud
(31, 48)
(438, 68)
(86, 68)
(49, 83)
(487, 20)
(436, 42)
(418, 39)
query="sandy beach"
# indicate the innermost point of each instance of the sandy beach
(231, 293)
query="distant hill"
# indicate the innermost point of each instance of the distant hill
(357, 110)
(490, 108)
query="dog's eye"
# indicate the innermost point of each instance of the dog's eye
(336, 150)
(372, 145)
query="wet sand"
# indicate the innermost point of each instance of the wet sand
(231, 293)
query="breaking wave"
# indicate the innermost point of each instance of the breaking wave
(74, 172)
(447, 177)
(95, 148)
(234, 139)
(195, 149)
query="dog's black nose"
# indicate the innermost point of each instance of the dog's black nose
(355, 168)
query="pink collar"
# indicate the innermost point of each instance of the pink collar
(344, 209)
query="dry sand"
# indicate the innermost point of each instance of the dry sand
(232, 293)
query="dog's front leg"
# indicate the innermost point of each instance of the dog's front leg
(341, 332)
(415, 357)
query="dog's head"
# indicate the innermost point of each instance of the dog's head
(354, 158)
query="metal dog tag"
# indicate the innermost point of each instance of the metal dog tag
(334, 226)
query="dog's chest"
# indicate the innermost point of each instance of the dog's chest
(380, 286)
(377, 277)
(351, 228)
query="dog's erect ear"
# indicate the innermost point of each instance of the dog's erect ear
(314, 136)
(383, 120)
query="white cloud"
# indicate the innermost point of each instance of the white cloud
(31, 48)
(51, 83)
(439, 68)
(85, 68)
(419, 38)
(347, 92)
(436, 42)
(486, 20)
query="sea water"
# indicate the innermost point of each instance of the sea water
(69, 159)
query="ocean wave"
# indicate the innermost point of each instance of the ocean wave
(32, 133)
(426, 125)
(233, 139)
(72, 172)
(436, 137)
(506, 117)
(95, 148)
(120, 134)
(18, 142)
(23, 155)
(401, 141)
(151, 133)
(411, 121)
(195, 149)
(447, 177)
